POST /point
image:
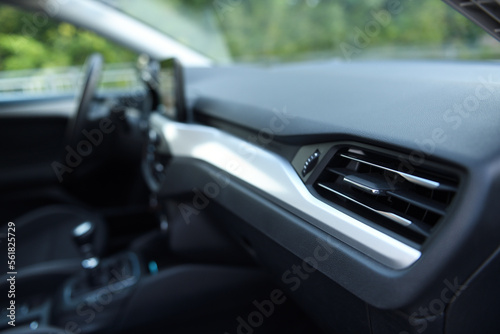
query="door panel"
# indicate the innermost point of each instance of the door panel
(31, 138)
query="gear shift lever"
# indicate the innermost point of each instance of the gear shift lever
(83, 235)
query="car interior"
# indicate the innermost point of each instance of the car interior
(300, 197)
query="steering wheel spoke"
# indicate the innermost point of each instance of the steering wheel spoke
(93, 70)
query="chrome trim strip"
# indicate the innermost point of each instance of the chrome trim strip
(392, 216)
(275, 176)
(411, 178)
(362, 186)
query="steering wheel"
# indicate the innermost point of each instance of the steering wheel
(93, 69)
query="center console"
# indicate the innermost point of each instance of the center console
(87, 303)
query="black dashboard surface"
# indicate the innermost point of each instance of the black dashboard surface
(408, 104)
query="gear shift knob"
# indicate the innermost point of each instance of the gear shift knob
(83, 235)
(84, 232)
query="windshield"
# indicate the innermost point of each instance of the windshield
(294, 30)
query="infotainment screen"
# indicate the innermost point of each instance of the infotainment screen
(166, 80)
(171, 89)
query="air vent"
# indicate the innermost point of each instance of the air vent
(388, 190)
(485, 13)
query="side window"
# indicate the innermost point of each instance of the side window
(39, 55)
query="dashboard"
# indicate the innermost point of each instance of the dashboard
(379, 178)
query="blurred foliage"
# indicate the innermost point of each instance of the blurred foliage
(261, 30)
(29, 40)
(265, 30)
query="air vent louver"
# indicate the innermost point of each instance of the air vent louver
(485, 13)
(389, 191)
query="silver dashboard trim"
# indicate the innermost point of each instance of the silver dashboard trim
(275, 176)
